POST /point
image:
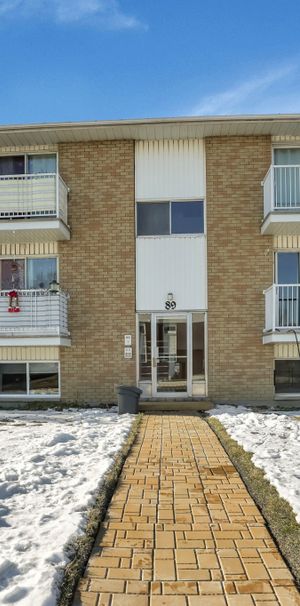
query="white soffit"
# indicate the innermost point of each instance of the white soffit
(152, 129)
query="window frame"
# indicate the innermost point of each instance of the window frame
(28, 395)
(170, 234)
(34, 153)
(25, 259)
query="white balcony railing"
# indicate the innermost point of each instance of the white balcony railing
(281, 187)
(41, 314)
(33, 196)
(282, 307)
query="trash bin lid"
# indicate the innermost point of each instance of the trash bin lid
(129, 389)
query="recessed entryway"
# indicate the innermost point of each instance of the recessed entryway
(171, 360)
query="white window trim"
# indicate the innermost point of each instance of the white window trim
(27, 396)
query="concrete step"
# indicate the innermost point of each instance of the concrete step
(176, 405)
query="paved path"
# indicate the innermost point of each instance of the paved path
(182, 530)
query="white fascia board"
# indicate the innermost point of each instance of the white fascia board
(281, 223)
(14, 228)
(34, 341)
(279, 337)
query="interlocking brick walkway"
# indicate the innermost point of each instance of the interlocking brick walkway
(182, 530)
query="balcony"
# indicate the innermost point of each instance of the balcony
(42, 319)
(33, 208)
(282, 313)
(281, 187)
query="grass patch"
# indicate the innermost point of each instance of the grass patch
(82, 546)
(277, 512)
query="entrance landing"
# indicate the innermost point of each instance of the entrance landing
(182, 529)
(175, 405)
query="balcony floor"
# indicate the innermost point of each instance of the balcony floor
(284, 223)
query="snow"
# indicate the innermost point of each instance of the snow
(274, 440)
(51, 464)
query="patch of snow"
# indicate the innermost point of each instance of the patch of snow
(51, 465)
(274, 440)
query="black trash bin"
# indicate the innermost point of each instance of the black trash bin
(128, 399)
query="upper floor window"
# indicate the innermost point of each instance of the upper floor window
(287, 156)
(32, 273)
(165, 218)
(28, 164)
(288, 268)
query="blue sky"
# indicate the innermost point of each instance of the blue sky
(68, 60)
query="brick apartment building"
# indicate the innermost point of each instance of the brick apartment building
(163, 253)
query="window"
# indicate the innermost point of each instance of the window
(288, 268)
(153, 219)
(287, 157)
(12, 165)
(41, 164)
(43, 378)
(29, 378)
(165, 218)
(13, 378)
(287, 376)
(40, 272)
(12, 274)
(34, 273)
(28, 164)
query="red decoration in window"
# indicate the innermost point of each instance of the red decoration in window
(13, 306)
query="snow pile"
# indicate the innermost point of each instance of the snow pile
(274, 440)
(51, 464)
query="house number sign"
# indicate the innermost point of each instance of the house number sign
(170, 305)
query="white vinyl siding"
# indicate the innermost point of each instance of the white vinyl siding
(167, 264)
(170, 169)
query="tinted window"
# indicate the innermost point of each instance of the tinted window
(288, 268)
(187, 218)
(152, 218)
(12, 378)
(12, 165)
(287, 376)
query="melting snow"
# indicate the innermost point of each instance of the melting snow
(274, 440)
(51, 465)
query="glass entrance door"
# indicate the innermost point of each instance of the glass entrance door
(171, 355)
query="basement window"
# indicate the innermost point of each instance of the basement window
(29, 379)
(287, 377)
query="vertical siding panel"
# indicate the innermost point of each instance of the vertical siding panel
(21, 354)
(162, 267)
(170, 169)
